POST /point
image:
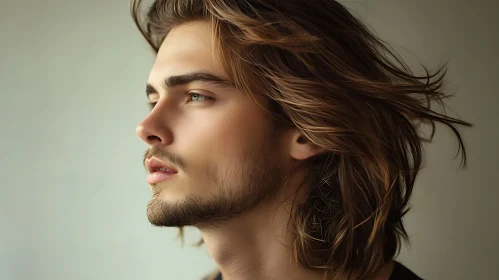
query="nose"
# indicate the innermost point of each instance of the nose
(154, 130)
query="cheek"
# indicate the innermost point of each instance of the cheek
(227, 127)
(222, 138)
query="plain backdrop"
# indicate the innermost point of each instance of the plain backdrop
(73, 193)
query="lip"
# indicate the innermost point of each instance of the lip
(153, 164)
(159, 176)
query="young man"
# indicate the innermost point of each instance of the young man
(287, 133)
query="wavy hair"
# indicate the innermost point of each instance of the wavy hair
(346, 90)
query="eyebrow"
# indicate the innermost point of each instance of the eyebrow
(198, 76)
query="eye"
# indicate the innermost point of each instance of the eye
(197, 97)
(192, 97)
(151, 104)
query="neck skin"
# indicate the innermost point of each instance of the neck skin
(254, 246)
(257, 245)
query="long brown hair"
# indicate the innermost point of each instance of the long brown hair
(345, 90)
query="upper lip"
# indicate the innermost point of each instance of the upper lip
(153, 164)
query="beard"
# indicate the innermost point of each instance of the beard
(241, 189)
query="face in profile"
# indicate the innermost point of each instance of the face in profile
(223, 146)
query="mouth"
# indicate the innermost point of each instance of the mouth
(159, 176)
(158, 171)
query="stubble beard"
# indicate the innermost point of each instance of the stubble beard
(260, 178)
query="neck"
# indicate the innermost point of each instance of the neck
(256, 245)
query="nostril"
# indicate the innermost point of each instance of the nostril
(153, 138)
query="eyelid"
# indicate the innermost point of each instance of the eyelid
(207, 98)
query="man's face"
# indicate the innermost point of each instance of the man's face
(223, 145)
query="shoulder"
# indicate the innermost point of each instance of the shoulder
(400, 272)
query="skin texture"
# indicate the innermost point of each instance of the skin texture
(232, 164)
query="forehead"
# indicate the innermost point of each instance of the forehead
(186, 48)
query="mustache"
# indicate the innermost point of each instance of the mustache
(165, 156)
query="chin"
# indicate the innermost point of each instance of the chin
(159, 212)
(167, 209)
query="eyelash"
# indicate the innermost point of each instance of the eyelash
(206, 98)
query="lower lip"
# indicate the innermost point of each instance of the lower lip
(158, 176)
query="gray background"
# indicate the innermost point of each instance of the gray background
(72, 188)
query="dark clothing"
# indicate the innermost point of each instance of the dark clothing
(400, 272)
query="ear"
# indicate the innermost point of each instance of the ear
(301, 148)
